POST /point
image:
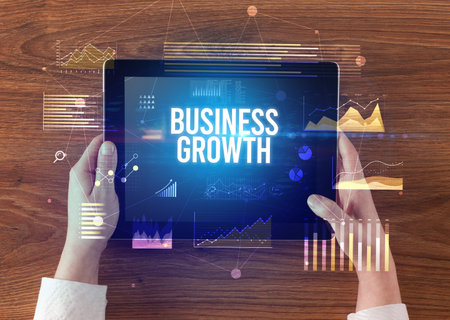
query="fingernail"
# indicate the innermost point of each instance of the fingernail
(107, 148)
(312, 201)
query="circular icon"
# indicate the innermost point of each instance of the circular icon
(360, 61)
(236, 273)
(59, 155)
(305, 152)
(252, 11)
(296, 174)
(98, 221)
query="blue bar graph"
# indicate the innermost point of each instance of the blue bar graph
(169, 191)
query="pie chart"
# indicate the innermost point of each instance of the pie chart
(296, 174)
(305, 152)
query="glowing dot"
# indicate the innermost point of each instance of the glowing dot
(235, 273)
(80, 102)
(252, 11)
(98, 221)
(49, 200)
(135, 168)
(97, 183)
(360, 61)
(110, 172)
(123, 179)
(44, 68)
(316, 31)
(400, 193)
(133, 285)
(306, 263)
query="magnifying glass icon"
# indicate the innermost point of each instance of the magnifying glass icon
(59, 155)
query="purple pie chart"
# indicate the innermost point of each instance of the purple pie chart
(305, 153)
(296, 174)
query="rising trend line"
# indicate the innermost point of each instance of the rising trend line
(374, 161)
(364, 108)
(344, 104)
(170, 181)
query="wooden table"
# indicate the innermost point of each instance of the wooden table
(406, 45)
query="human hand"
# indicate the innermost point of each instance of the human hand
(357, 206)
(80, 258)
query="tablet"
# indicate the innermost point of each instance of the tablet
(222, 153)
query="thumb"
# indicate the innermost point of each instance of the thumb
(326, 208)
(105, 172)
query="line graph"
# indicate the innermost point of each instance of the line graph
(235, 188)
(376, 179)
(352, 119)
(89, 57)
(367, 165)
(343, 105)
(110, 175)
(255, 235)
(168, 191)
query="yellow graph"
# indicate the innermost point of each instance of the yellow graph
(372, 183)
(88, 58)
(353, 121)
(325, 124)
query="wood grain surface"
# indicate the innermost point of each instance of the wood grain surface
(406, 44)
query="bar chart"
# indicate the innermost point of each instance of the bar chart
(360, 246)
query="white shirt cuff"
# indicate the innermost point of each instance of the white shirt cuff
(63, 299)
(388, 312)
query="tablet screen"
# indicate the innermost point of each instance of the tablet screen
(225, 160)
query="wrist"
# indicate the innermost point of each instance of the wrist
(84, 247)
(377, 288)
(79, 263)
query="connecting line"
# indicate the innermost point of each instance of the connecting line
(330, 209)
(195, 31)
(248, 258)
(242, 33)
(320, 45)
(290, 22)
(125, 165)
(357, 103)
(123, 21)
(240, 236)
(167, 30)
(343, 105)
(110, 215)
(213, 264)
(260, 36)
